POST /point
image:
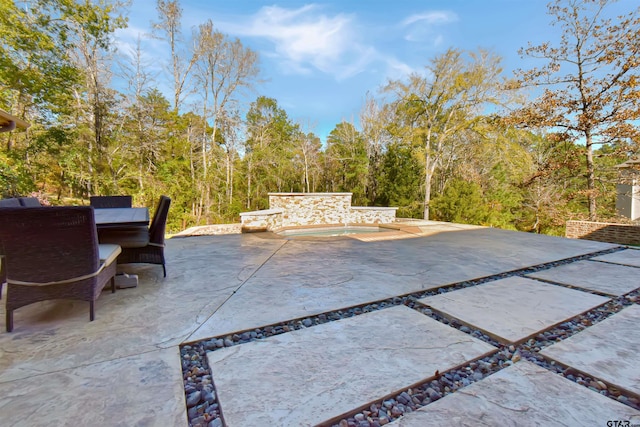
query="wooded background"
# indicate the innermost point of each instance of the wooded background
(466, 141)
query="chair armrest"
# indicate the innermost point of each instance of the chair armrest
(108, 253)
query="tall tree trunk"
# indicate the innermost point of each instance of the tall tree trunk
(428, 175)
(90, 169)
(249, 184)
(591, 177)
(228, 182)
(306, 172)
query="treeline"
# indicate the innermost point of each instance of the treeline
(454, 143)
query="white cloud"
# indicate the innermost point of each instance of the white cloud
(310, 39)
(397, 69)
(305, 39)
(126, 42)
(421, 27)
(433, 17)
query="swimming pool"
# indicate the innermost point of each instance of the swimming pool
(330, 231)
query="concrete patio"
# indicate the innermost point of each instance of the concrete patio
(124, 369)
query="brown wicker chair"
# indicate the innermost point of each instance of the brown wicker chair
(102, 202)
(152, 252)
(29, 202)
(53, 253)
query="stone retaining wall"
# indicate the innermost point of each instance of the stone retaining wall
(623, 234)
(211, 230)
(308, 209)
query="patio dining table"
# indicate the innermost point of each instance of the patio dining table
(121, 217)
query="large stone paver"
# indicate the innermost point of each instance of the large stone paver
(609, 350)
(305, 278)
(309, 376)
(606, 278)
(139, 390)
(521, 395)
(514, 308)
(159, 313)
(625, 257)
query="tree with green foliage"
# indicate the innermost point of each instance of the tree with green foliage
(268, 150)
(461, 202)
(551, 188)
(307, 159)
(449, 98)
(346, 152)
(399, 180)
(45, 77)
(375, 119)
(496, 158)
(92, 25)
(36, 72)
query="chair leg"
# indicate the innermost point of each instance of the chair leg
(113, 285)
(9, 320)
(164, 270)
(92, 314)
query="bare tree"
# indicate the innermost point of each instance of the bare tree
(169, 13)
(139, 81)
(223, 68)
(308, 146)
(590, 80)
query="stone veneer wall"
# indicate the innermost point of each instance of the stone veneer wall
(312, 208)
(372, 215)
(306, 209)
(624, 234)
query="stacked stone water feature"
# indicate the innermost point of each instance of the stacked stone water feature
(287, 210)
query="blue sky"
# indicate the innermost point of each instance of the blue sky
(320, 59)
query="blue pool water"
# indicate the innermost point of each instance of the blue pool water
(330, 231)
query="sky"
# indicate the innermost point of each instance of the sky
(320, 59)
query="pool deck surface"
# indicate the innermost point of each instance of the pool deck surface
(124, 368)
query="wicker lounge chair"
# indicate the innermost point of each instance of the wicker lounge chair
(101, 202)
(153, 251)
(53, 253)
(29, 202)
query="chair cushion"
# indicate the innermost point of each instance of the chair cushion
(29, 202)
(108, 253)
(10, 203)
(133, 237)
